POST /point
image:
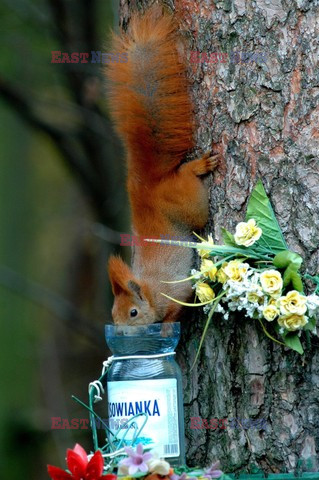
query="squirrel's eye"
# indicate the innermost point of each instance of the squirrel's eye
(133, 312)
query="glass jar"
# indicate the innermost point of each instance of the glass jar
(151, 386)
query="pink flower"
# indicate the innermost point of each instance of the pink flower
(213, 471)
(184, 476)
(136, 460)
(80, 467)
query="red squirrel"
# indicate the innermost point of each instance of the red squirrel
(152, 112)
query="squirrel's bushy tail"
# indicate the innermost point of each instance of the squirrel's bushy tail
(148, 93)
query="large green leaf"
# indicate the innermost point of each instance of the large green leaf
(260, 209)
(293, 277)
(286, 257)
(292, 341)
(291, 261)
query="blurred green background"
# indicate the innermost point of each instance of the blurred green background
(62, 206)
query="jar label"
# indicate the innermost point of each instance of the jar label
(158, 400)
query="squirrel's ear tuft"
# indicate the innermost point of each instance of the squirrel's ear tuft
(136, 289)
(120, 275)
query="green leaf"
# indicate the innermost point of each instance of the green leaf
(260, 209)
(228, 238)
(292, 341)
(225, 250)
(296, 281)
(291, 261)
(286, 257)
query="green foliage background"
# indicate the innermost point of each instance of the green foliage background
(48, 237)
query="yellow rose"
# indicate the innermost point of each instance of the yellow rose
(271, 282)
(270, 312)
(221, 275)
(273, 301)
(293, 302)
(208, 269)
(202, 251)
(255, 297)
(204, 292)
(247, 233)
(292, 321)
(235, 270)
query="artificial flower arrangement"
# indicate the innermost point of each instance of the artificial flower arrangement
(136, 463)
(255, 273)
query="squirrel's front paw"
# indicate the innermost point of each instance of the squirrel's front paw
(206, 164)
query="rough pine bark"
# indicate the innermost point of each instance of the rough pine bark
(263, 116)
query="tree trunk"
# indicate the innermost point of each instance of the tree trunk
(263, 116)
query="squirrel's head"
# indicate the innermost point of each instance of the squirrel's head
(132, 302)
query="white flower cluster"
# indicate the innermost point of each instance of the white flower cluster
(245, 294)
(259, 294)
(313, 305)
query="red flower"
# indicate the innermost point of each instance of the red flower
(80, 467)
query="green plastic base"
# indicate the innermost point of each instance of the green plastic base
(277, 476)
